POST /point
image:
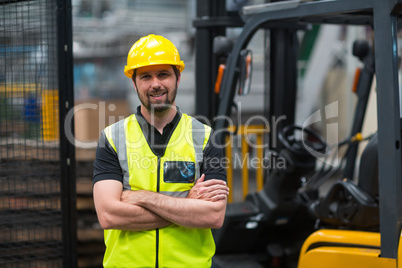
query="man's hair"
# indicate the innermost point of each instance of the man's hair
(176, 72)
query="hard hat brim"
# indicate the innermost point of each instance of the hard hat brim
(129, 70)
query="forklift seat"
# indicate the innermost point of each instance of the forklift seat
(353, 205)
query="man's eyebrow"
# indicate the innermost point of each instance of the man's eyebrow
(160, 71)
(164, 70)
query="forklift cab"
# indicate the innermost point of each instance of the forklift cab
(355, 245)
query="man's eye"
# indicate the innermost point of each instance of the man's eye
(163, 74)
(145, 76)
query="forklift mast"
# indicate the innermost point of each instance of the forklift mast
(212, 20)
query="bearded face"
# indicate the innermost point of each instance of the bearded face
(156, 86)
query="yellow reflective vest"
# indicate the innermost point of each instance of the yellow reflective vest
(172, 174)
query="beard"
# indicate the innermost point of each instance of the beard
(158, 108)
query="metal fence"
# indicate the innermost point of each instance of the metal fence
(35, 172)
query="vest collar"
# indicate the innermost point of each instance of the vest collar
(147, 130)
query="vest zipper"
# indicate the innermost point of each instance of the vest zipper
(158, 172)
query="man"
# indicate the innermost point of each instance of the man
(158, 186)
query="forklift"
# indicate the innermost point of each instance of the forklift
(287, 224)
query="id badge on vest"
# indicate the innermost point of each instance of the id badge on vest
(179, 172)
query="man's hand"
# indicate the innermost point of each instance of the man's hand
(210, 190)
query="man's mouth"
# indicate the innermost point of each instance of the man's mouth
(157, 96)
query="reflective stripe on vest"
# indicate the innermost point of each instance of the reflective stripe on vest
(172, 246)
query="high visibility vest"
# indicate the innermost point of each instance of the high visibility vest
(172, 174)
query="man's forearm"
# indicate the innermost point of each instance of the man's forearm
(191, 213)
(133, 218)
(113, 213)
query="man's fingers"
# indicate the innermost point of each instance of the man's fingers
(201, 179)
(214, 182)
(213, 188)
(211, 194)
(218, 197)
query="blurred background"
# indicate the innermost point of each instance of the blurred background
(102, 33)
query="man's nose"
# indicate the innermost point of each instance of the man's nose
(156, 83)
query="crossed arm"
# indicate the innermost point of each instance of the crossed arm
(204, 207)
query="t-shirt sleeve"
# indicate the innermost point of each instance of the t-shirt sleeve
(106, 164)
(213, 164)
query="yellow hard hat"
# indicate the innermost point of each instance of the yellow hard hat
(152, 50)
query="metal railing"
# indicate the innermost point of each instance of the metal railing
(244, 132)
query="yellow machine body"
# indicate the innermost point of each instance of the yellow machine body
(345, 249)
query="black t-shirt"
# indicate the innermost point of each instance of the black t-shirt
(106, 164)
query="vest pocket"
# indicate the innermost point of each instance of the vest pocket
(179, 172)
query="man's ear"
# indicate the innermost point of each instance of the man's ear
(135, 86)
(178, 78)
